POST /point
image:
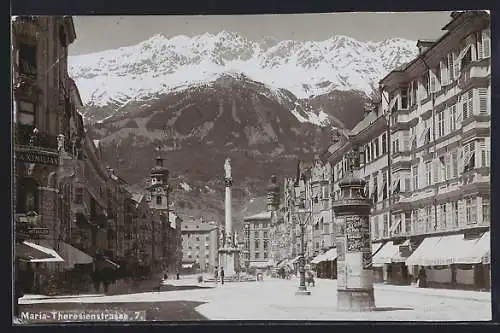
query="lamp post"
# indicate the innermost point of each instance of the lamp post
(303, 217)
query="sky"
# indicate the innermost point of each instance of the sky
(97, 33)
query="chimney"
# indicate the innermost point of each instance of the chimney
(424, 45)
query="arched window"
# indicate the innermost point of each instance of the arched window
(27, 195)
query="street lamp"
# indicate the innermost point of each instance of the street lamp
(303, 217)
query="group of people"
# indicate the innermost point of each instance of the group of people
(216, 274)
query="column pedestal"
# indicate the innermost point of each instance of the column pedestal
(229, 260)
(355, 300)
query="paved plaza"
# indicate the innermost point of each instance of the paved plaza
(275, 299)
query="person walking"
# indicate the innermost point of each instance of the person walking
(422, 278)
(216, 274)
(222, 275)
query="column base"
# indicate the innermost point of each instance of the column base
(303, 291)
(356, 300)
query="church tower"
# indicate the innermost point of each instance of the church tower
(158, 189)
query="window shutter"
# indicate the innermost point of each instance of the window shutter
(448, 166)
(470, 96)
(450, 67)
(483, 100)
(456, 66)
(435, 171)
(486, 43)
(444, 73)
(433, 83)
(479, 46)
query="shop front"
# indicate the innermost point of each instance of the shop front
(389, 260)
(326, 264)
(453, 261)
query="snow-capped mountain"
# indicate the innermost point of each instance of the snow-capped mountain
(160, 64)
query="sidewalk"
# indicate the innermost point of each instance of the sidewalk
(480, 296)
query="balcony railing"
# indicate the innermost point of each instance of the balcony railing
(24, 136)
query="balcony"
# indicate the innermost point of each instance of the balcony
(475, 73)
(40, 148)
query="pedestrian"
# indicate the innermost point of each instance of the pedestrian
(216, 274)
(222, 275)
(177, 274)
(422, 278)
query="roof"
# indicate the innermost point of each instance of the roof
(260, 216)
(137, 197)
(197, 226)
(364, 123)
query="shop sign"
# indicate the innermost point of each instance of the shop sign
(37, 157)
(38, 231)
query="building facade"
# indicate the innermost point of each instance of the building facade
(425, 145)
(199, 245)
(257, 230)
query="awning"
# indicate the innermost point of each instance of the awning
(54, 256)
(479, 253)
(385, 254)
(26, 252)
(330, 255)
(295, 260)
(73, 256)
(403, 252)
(424, 250)
(261, 264)
(444, 250)
(376, 247)
(187, 265)
(318, 258)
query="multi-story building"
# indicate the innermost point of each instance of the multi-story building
(199, 245)
(174, 243)
(426, 147)
(259, 249)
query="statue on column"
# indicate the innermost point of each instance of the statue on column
(227, 168)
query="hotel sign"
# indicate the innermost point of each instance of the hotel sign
(38, 231)
(37, 157)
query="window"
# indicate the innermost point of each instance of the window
(442, 210)
(375, 228)
(386, 225)
(467, 58)
(454, 213)
(470, 211)
(265, 244)
(377, 148)
(453, 118)
(158, 199)
(375, 187)
(441, 131)
(408, 222)
(443, 168)
(257, 244)
(428, 174)
(265, 255)
(413, 93)
(26, 113)
(415, 177)
(486, 210)
(404, 98)
(27, 60)
(428, 218)
(256, 235)
(469, 156)
(317, 245)
(27, 195)
(384, 184)
(78, 195)
(425, 86)
(486, 45)
(454, 164)
(467, 104)
(368, 154)
(197, 239)
(207, 238)
(395, 146)
(414, 218)
(384, 143)
(444, 71)
(257, 255)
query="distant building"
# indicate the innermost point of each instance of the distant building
(258, 242)
(199, 245)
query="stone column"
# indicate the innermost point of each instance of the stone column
(228, 251)
(354, 275)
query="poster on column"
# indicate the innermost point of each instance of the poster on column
(358, 234)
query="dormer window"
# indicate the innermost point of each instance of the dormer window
(158, 200)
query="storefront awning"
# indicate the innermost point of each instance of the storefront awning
(478, 253)
(27, 253)
(261, 264)
(318, 258)
(73, 256)
(54, 256)
(385, 254)
(295, 260)
(442, 251)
